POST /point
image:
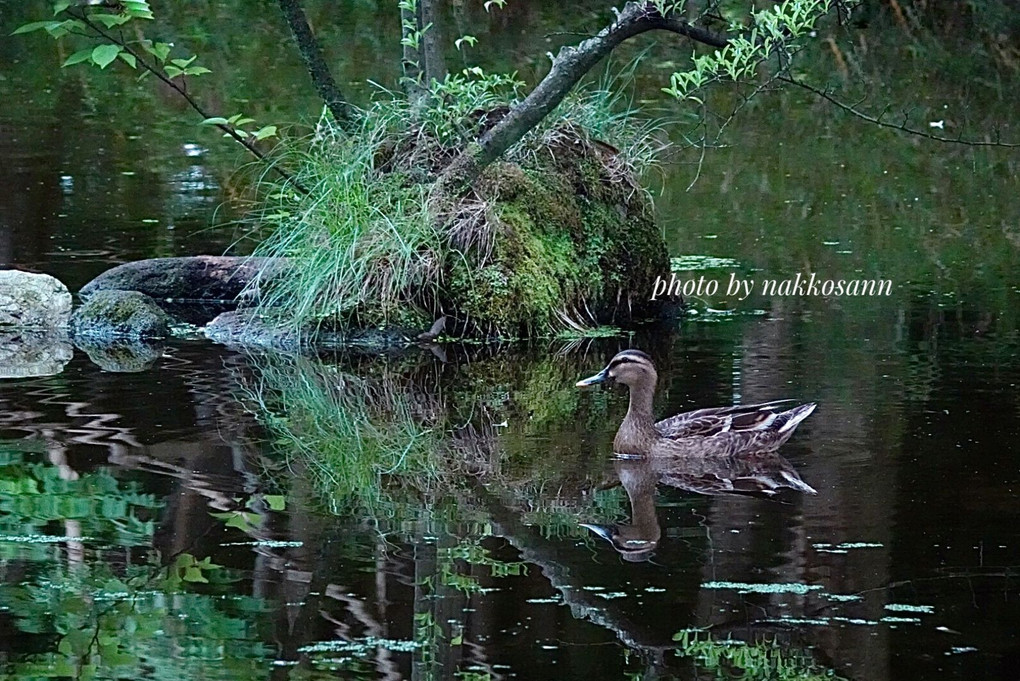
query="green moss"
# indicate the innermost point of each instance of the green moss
(570, 242)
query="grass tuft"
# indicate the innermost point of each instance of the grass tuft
(373, 245)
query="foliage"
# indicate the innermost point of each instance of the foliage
(93, 24)
(758, 660)
(374, 244)
(363, 243)
(771, 35)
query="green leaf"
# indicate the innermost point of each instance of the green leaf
(59, 7)
(103, 55)
(172, 71)
(110, 20)
(78, 57)
(138, 9)
(160, 50)
(129, 59)
(59, 29)
(196, 71)
(183, 63)
(35, 26)
(242, 520)
(276, 502)
(215, 120)
(194, 574)
(261, 134)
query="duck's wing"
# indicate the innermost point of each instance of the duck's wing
(753, 473)
(716, 420)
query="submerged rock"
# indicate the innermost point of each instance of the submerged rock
(30, 300)
(25, 353)
(204, 278)
(120, 314)
(246, 328)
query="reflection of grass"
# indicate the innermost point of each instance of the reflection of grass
(729, 659)
(355, 434)
(394, 442)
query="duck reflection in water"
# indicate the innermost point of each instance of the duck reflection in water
(760, 474)
(720, 450)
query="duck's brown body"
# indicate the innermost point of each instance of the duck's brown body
(718, 431)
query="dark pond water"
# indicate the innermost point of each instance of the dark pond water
(226, 515)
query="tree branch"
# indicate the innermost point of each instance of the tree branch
(569, 66)
(311, 53)
(881, 122)
(183, 92)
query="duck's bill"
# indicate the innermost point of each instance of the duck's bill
(600, 377)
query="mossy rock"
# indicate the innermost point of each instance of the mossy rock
(568, 242)
(120, 314)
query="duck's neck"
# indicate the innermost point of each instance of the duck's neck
(637, 433)
(639, 481)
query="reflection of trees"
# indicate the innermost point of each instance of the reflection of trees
(441, 460)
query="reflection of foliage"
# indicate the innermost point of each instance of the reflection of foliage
(731, 659)
(128, 621)
(34, 495)
(470, 552)
(106, 606)
(384, 442)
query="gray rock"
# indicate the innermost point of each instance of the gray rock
(202, 278)
(120, 314)
(33, 352)
(244, 328)
(33, 301)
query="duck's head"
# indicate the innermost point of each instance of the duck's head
(630, 367)
(630, 542)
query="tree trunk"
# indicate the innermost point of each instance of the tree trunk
(568, 67)
(311, 53)
(434, 67)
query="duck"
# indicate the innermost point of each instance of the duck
(736, 430)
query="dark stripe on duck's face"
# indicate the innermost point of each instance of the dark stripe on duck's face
(625, 357)
(630, 356)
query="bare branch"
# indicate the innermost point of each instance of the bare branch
(881, 122)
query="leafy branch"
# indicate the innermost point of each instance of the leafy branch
(172, 72)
